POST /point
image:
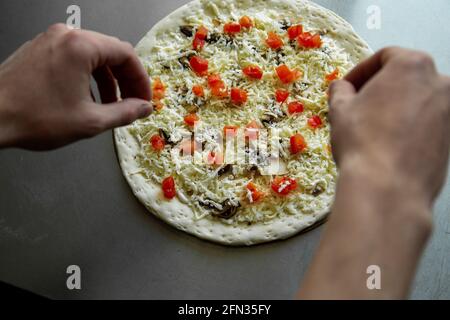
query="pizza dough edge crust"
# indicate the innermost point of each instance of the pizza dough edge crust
(179, 214)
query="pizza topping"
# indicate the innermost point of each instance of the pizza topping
(168, 188)
(213, 38)
(199, 65)
(315, 122)
(281, 95)
(187, 31)
(228, 211)
(238, 96)
(246, 22)
(191, 119)
(201, 33)
(332, 76)
(253, 72)
(298, 144)
(274, 41)
(200, 38)
(295, 107)
(283, 185)
(198, 90)
(287, 75)
(309, 40)
(217, 85)
(159, 89)
(231, 28)
(294, 31)
(157, 143)
(224, 170)
(253, 194)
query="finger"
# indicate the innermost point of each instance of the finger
(340, 92)
(106, 84)
(120, 113)
(368, 68)
(120, 57)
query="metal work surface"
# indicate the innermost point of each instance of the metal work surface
(73, 206)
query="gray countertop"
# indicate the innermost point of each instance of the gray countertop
(72, 206)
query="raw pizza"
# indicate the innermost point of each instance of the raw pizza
(257, 71)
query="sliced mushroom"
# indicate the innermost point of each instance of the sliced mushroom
(213, 38)
(317, 191)
(285, 24)
(228, 211)
(184, 60)
(224, 170)
(188, 31)
(166, 137)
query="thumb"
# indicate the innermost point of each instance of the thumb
(340, 93)
(122, 113)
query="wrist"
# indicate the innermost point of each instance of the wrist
(383, 193)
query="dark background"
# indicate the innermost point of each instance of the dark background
(72, 206)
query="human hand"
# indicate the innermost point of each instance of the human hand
(45, 96)
(390, 119)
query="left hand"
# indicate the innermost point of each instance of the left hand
(45, 96)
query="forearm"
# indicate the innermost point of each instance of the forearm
(375, 221)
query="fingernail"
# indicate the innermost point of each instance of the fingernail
(145, 110)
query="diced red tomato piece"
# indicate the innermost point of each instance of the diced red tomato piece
(295, 107)
(287, 75)
(191, 119)
(332, 76)
(232, 28)
(214, 158)
(298, 144)
(256, 195)
(214, 80)
(238, 96)
(218, 88)
(158, 143)
(246, 22)
(308, 40)
(199, 38)
(201, 33)
(281, 95)
(158, 89)
(198, 44)
(230, 131)
(198, 90)
(295, 31)
(253, 72)
(274, 41)
(199, 65)
(219, 92)
(315, 122)
(158, 105)
(168, 188)
(283, 185)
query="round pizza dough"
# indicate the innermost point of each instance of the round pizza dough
(177, 213)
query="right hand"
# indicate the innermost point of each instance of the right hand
(390, 118)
